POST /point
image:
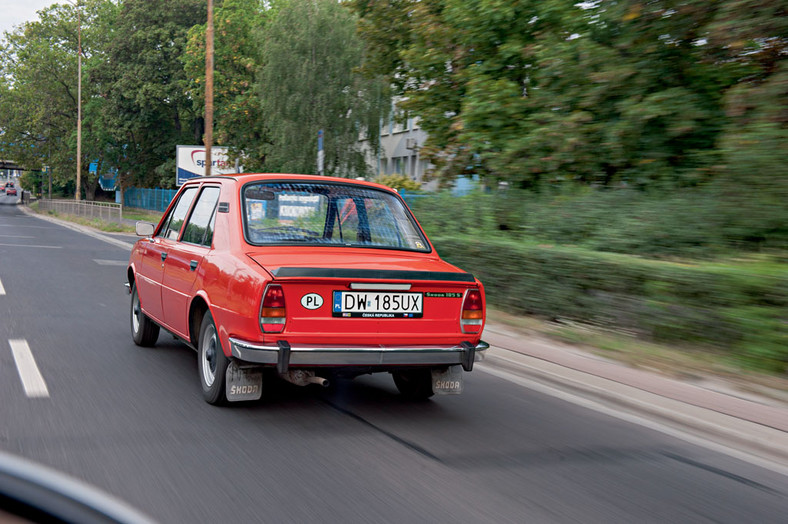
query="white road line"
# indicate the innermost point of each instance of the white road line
(103, 262)
(15, 236)
(2, 289)
(31, 377)
(31, 245)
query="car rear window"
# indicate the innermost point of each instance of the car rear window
(328, 214)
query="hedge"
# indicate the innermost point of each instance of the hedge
(741, 308)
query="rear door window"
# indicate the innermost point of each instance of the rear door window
(199, 229)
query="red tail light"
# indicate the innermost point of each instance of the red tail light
(472, 316)
(272, 310)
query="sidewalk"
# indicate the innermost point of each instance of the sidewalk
(713, 411)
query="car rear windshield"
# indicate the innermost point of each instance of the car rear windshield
(328, 214)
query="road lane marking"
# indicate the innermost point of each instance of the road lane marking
(31, 245)
(103, 262)
(2, 289)
(31, 377)
(15, 236)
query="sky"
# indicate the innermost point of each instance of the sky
(15, 12)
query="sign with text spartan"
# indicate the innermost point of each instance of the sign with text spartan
(190, 162)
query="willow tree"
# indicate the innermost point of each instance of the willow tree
(308, 82)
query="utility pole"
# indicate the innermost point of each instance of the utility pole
(77, 195)
(208, 138)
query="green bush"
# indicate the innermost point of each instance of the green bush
(695, 223)
(741, 308)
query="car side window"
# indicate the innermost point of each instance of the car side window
(178, 214)
(199, 228)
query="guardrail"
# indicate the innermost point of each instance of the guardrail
(103, 210)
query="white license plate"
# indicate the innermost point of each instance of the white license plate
(369, 304)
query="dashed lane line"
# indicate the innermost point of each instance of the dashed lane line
(103, 262)
(31, 377)
(2, 289)
(31, 245)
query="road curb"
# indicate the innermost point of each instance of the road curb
(80, 228)
(768, 444)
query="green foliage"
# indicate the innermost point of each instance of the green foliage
(39, 91)
(308, 83)
(145, 109)
(239, 27)
(739, 308)
(398, 181)
(691, 223)
(559, 91)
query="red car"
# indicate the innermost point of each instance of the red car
(304, 277)
(11, 191)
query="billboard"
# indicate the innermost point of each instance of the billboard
(190, 162)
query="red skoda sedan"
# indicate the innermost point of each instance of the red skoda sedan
(307, 278)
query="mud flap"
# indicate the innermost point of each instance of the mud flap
(243, 383)
(447, 381)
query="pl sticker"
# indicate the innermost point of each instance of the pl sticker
(311, 301)
(419, 245)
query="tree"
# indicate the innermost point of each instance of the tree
(602, 92)
(238, 118)
(308, 82)
(38, 93)
(147, 109)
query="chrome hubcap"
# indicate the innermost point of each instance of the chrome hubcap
(208, 355)
(135, 314)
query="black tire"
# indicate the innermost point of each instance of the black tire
(414, 384)
(144, 331)
(211, 362)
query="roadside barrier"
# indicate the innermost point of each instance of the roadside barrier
(107, 211)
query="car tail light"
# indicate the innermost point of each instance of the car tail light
(272, 310)
(472, 312)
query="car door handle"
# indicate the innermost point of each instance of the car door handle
(163, 256)
(193, 265)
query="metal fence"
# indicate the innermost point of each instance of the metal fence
(154, 199)
(103, 210)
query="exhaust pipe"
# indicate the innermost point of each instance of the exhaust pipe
(301, 377)
(318, 380)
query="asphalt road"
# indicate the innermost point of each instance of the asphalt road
(132, 422)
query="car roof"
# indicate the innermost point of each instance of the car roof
(249, 177)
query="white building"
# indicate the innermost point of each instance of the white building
(400, 143)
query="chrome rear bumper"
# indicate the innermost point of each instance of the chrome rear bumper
(283, 355)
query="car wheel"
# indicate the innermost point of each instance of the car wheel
(211, 362)
(414, 384)
(144, 331)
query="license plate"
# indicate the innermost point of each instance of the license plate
(367, 304)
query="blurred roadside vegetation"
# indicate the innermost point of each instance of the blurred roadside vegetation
(676, 269)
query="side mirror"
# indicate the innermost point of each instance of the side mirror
(145, 229)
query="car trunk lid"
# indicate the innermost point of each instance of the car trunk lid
(369, 296)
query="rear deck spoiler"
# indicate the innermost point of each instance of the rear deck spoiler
(372, 274)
